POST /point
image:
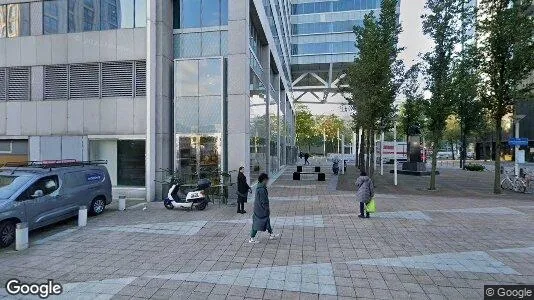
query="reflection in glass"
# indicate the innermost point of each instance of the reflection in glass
(210, 74)
(197, 154)
(140, 13)
(84, 15)
(18, 19)
(258, 127)
(224, 12)
(210, 13)
(190, 44)
(211, 43)
(186, 115)
(274, 124)
(210, 114)
(190, 13)
(3, 12)
(55, 17)
(187, 78)
(116, 14)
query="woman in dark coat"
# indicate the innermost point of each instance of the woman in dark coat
(261, 218)
(242, 191)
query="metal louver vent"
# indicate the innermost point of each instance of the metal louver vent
(18, 84)
(84, 81)
(56, 82)
(117, 79)
(140, 78)
(2, 84)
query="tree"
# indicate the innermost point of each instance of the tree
(441, 24)
(452, 133)
(507, 46)
(305, 127)
(373, 78)
(411, 111)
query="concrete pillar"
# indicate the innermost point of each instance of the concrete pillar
(238, 87)
(159, 139)
(21, 236)
(82, 216)
(122, 203)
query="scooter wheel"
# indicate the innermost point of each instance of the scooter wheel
(168, 204)
(202, 206)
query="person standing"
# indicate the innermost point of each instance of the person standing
(365, 192)
(242, 190)
(261, 219)
(306, 157)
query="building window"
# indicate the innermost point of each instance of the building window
(55, 17)
(15, 18)
(201, 13)
(84, 15)
(140, 13)
(117, 14)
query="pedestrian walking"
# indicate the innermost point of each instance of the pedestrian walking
(306, 157)
(261, 220)
(365, 192)
(242, 191)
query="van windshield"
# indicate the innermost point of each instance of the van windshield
(11, 184)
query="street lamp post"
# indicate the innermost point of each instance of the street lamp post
(395, 153)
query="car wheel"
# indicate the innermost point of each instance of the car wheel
(97, 206)
(7, 233)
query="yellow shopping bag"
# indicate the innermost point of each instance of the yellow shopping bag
(371, 206)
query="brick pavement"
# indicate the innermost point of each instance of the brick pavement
(416, 247)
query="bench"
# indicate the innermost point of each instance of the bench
(316, 169)
(320, 176)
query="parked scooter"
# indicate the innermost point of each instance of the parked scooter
(197, 197)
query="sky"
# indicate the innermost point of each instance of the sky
(411, 38)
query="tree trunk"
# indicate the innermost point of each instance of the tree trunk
(463, 154)
(432, 186)
(484, 151)
(361, 160)
(367, 152)
(497, 180)
(373, 153)
(452, 150)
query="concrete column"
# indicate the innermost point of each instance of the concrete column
(159, 139)
(238, 87)
(265, 61)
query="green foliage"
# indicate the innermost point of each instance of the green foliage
(507, 46)
(475, 167)
(305, 127)
(411, 111)
(451, 133)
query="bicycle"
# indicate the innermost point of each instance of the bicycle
(514, 183)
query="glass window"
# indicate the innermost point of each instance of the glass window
(210, 72)
(84, 15)
(211, 43)
(18, 19)
(116, 14)
(186, 115)
(55, 17)
(210, 110)
(224, 12)
(42, 187)
(190, 43)
(3, 12)
(131, 163)
(187, 78)
(190, 13)
(224, 42)
(211, 13)
(140, 13)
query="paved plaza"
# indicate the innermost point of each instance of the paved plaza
(417, 246)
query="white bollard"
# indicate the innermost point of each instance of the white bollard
(21, 236)
(122, 203)
(82, 216)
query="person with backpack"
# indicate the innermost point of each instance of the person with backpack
(365, 191)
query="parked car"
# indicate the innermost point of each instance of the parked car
(42, 193)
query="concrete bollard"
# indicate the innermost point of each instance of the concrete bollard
(21, 236)
(122, 203)
(82, 216)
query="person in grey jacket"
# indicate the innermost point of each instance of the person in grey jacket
(365, 192)
(261, 218)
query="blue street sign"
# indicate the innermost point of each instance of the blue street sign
(518, 142)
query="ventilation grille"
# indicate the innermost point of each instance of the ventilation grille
(2, 84)
(140, 78)
(18, 82)
(84, 81)
(56, 82)
(117, 79)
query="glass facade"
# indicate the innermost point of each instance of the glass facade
(14, 20)
(333, 6)
(258, 127)
(201, 44)
(62, 16)
(200, 13)
(323, 48)
(325, 27)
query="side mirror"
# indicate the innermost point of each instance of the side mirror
(37, 194)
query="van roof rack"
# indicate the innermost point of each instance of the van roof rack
(51, 164)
